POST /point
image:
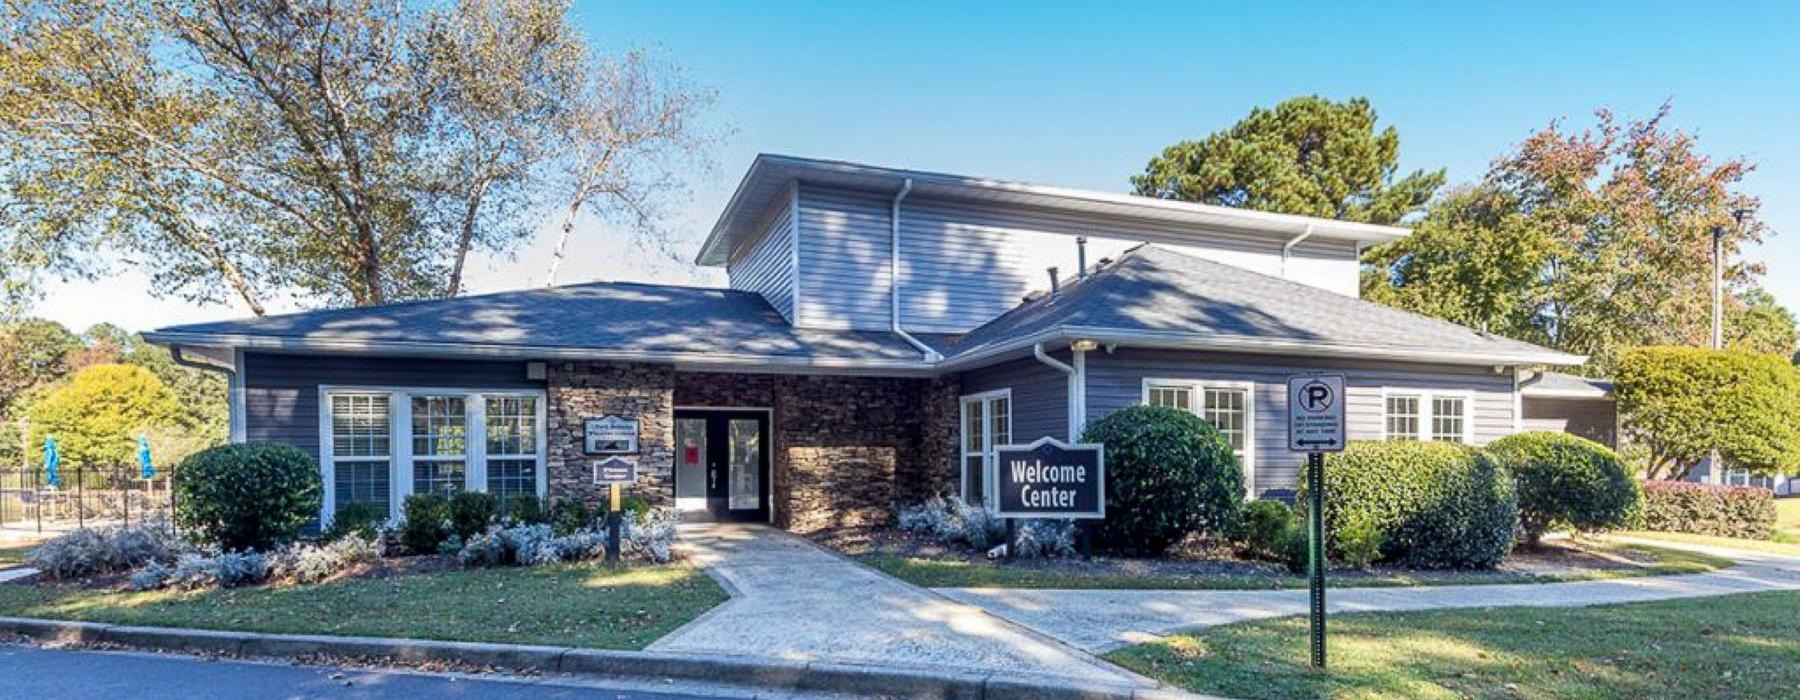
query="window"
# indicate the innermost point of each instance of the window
(1402, 417)
(384, 445)
(512, 429)
(1742, 477)
(360, 451)
(439, 444)
(986, 423)
(1418, 415)
(1228, 406)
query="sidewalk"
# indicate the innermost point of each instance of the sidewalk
(793, 601)
(1100, 621)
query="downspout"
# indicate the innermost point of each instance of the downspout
(1288, 247)
(1077, 385)
(234, 401)
(894, 275)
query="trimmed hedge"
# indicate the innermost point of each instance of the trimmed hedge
(1168, 473)
(1432, 505)
(253, 495)
(1564, 480)
(1707, 509)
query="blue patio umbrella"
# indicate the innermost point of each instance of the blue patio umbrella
(51, 461)
(144, 457)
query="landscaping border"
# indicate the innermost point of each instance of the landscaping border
(815, 676)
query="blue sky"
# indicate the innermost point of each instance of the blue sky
(1082, 95)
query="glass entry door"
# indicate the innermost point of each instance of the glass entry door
(722, 457)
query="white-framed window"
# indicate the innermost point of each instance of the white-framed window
(1230, 406)
(381, 444)
(986, 423)
(1443, 416)
(1737, 476)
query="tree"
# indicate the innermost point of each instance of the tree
(33, 353)
(98, 416)
(354, 151)
(1308, 155)
(1680, 403)
(1589, 242)
(1758, 323)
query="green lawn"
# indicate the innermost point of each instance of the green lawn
(936, 573)
(1787, 520)
(1770, 546)
(1741, 646)
(11, 556)
(587, 605)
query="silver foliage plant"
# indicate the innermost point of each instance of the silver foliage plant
(94, 551)
(952, 521)
(650, 540)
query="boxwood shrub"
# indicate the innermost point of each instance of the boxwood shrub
(1566, 481)
(1431, 505)
(253, 495)
(1707, 509)
(1168, 473)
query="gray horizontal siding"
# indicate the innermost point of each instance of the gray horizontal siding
(1115, 381)
(1595, 420)
(281, 392)
(1040, 396)
(843, 259)
(765, 265)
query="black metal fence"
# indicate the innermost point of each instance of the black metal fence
(83, 497)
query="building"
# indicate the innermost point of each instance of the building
(883, 329)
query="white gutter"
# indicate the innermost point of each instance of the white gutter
(234, 386)
(1181, 340)
(1288, 247)
(1077, 386)
(894, 275)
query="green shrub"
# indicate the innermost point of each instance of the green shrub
(1168, 473)
(1436, 505)
(361, 519)
(1564, 480)
(427, 522)
(471, 512)
(1682, 403)
(569, 516)
(1706, 509)
(247, 496)
(526, 509)
(637, 507)
(1265, 528)
(1359, 543)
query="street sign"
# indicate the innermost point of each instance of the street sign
(1049, 478)
(1316, 413)
(615, 470)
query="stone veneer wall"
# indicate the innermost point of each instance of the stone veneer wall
(580, 390)
(846, 449)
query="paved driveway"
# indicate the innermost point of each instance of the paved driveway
(1100, 621)
(792, 600)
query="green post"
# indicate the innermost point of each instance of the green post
(1315, 560)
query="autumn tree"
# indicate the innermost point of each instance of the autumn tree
(349, 151)
(1308, 155)
(1588, 241)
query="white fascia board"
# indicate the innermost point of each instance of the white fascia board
(1537, 393)
(735, 362)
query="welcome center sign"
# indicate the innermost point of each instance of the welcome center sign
(1049, 478)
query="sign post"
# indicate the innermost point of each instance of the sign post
(614, 472)
(1316, 426)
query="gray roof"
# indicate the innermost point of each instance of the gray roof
(604, 319)
(1567, 386)
(1185, 301)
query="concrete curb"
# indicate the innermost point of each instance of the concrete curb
(815, 676)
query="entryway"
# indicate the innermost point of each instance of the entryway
(722, 464)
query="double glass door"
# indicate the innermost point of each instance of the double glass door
(722, 463)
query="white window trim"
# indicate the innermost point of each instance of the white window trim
(400, 439)
(1197, 406)
(985, 398)
(1427, 411)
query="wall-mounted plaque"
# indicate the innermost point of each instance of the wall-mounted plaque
(610, 435)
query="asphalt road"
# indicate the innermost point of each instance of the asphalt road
(50, 674)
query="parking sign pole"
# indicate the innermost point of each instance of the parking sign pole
(1315, 566)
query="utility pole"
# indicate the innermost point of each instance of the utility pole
(1715, 470)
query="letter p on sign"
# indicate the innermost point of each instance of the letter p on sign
(1316, 413)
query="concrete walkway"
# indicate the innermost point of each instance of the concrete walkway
(792, 600)
(1100, 621)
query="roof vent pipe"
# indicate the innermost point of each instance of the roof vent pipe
(894, 275)
(1081, 270)
(1055, 284)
